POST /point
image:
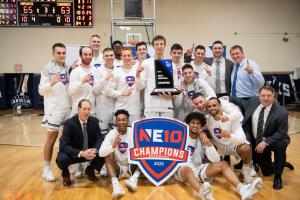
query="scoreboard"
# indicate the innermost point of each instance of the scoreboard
(43, 13)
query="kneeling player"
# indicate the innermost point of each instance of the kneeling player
(115, 150)
(195, 171)
(229, 137)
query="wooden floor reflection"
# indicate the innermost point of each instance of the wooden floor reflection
(21, 152)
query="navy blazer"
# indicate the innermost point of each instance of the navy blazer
(276, 125)
(71, 141)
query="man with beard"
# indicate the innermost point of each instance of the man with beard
(115, 150)
(229, 137)
(97, 60)
(57, 104)
(221, 68)
(82, 80)
(232, 111)
(196, 170)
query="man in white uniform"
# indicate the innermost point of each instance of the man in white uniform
(124, 88)
(104, 104)
(190, 86)
(231, 110)
(155, 105)
(82, 81)
(57, 103)
(115, 150)
(195, 171)
(229, 137)
(97, 61)
(201, 69)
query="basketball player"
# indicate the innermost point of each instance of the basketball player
(124, 88)
(104, 104)
(155, 105)
(195, 170)
(115, 150)
(190, 86)
(229, 137)
(57, 103)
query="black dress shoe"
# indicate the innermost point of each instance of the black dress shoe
(289, 165)
(66, 180)
(91, 174)
(277, 184)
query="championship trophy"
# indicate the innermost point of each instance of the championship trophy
(164, 82)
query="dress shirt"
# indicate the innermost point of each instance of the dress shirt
(247, 85)
(255, 117)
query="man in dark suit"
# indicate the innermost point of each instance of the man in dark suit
(266, 126)
(80, 140)
(221, 66)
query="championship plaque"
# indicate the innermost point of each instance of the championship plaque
(164, 81)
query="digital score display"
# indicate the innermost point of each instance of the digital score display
(67, 13)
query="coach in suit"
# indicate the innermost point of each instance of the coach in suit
(266, 126)
(80, 140)
(221, 66)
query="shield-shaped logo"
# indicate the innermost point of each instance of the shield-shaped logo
(130, 80)
(159, 147)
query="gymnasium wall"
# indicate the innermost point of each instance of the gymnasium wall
(260, 26)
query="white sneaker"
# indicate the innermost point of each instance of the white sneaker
(117, 190)
(131, 183)
(78, 171)
(246, 171)
(47, 175)
(103, 171)
(247, 191)
(206, 192)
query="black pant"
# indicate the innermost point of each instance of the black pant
(63, 161)
(264, 159)
(222, 94)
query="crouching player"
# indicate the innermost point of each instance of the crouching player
(229, 137)
(115, 150)
(200, 146)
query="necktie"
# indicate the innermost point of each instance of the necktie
(260, 126)
(218, 78)
(85, 137)
(233, 89)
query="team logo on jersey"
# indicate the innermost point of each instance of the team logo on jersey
(217, 132)
(123, 147)
(63, 78)
(191, 94)
(196, 74)
(97, 65)
(158, 147)
(130, 80)
(191, 149)
(91, 81)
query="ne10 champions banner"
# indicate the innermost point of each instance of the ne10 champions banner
(158, 147)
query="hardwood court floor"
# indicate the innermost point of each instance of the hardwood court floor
(21, 152)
